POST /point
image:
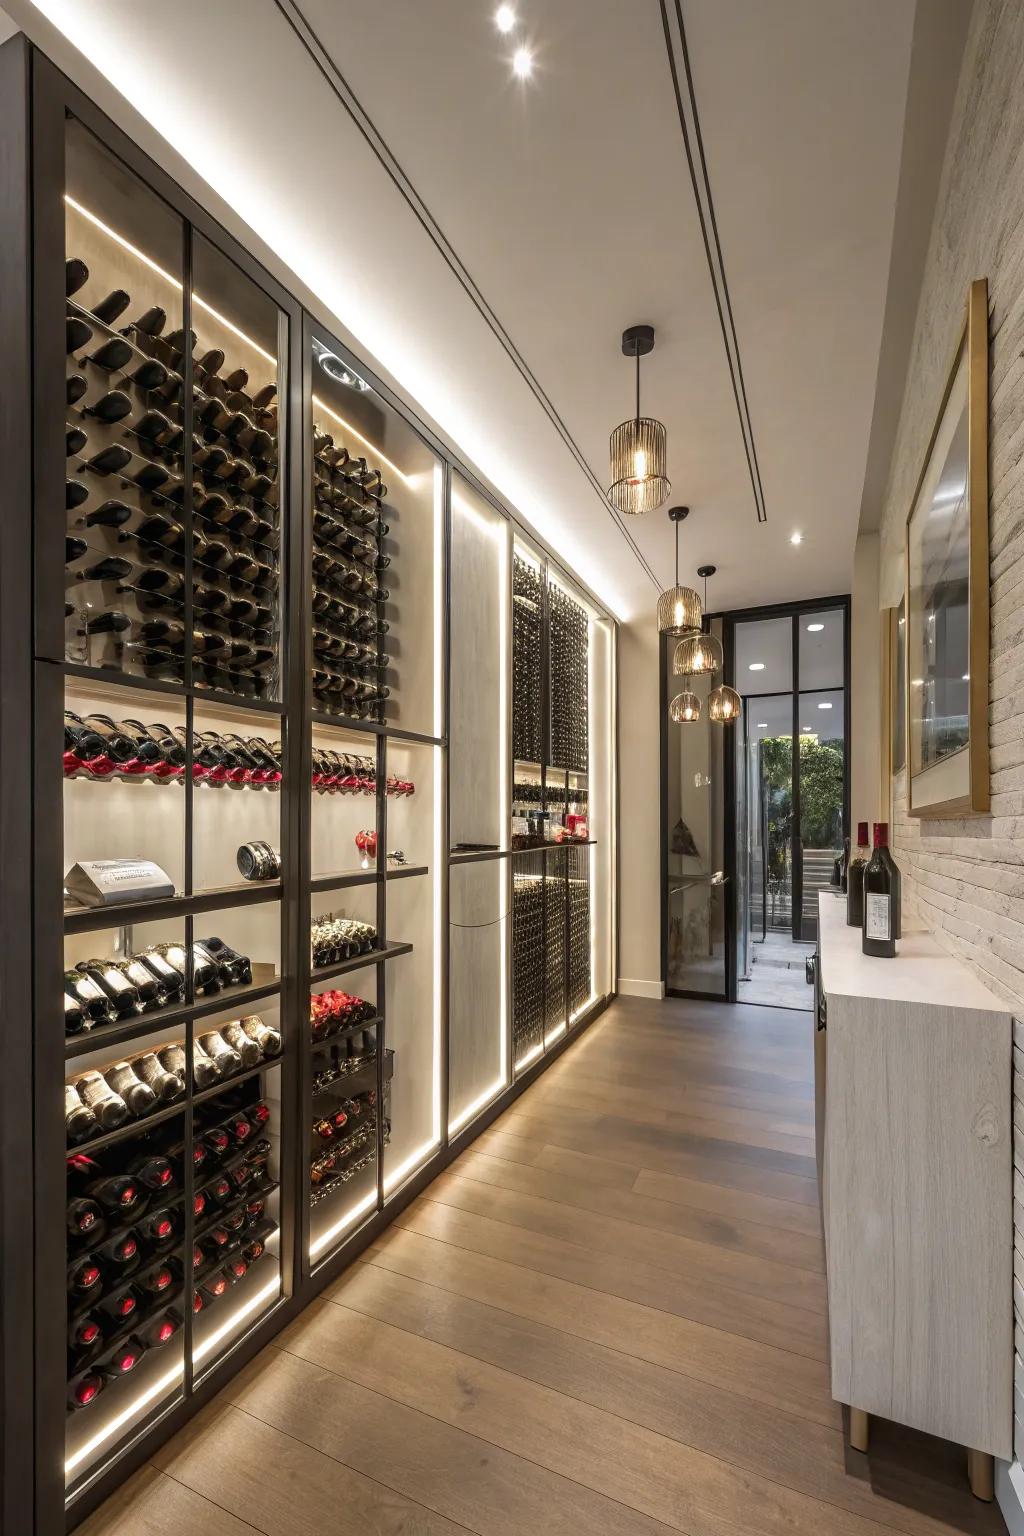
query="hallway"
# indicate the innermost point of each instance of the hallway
(608, 1317)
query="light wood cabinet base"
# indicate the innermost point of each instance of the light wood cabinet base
(981, 1472)
(860, 1429)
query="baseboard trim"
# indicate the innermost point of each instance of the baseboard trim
(1010, 1495)
(631, 988)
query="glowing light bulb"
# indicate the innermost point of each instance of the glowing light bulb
(504, 18)
(522, 63)
(640, 464)
(678, 615)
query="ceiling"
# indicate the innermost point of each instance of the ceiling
(486, 240)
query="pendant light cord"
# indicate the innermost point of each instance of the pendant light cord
(638, 391)
(677, 551)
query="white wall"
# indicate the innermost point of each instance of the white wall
(639, 810)
(865, 720)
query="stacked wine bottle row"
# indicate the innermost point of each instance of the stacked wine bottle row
(98, 1101)
(349, 662)
(335, 939)
(344, 1136)
(133, 514)
(570, 633)
(99, 747)
(579, 928)
(126, 1221)
(554, 941)
(528, 963)
(98, 991)
(526, 661)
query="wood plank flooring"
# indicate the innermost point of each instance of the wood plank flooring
(607, 1316)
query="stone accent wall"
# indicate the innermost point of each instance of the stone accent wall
(966, 876)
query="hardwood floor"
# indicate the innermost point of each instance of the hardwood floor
(607, 1316)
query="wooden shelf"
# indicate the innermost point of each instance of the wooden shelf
(359, 962)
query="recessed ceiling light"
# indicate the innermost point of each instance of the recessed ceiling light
(796, 538)
(825, 706)
(522, 63)
(966, 677)
(757, 666)
(504, 18)
(813, 629)
(762, 725)
(806, 728)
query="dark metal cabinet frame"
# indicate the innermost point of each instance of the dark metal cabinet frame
(35, 99)
(793, 612)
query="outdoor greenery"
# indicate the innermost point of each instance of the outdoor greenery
(821, 796)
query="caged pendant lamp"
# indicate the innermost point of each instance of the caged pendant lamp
(679, 609)
(699, 655)
(724, 705)
(684, 709)
(638, 447)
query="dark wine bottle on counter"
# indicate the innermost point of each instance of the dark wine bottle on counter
(855, 879)
(880, 900)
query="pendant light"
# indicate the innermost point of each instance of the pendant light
(699, 655)
(684, 709)
(724, 705)
(679, 609)
(638, 447)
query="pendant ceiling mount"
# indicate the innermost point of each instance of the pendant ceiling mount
(638, 448)
(679, 608)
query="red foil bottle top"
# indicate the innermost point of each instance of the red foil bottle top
(862, 834)
(881, 834)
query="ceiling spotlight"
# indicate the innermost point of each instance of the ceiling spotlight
(638, 448)
(522, 63)
(806, 728)
(762, 725)
(796, 538)
(825, 706)
(814, 629)
(337, 370)
(504, 18)
(756, 666)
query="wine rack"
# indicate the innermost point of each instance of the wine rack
(569, 681)
(233, 558)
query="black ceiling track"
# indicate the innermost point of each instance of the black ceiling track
(689, 123)
(328, 68)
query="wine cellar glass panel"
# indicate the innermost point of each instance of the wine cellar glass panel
(377, 553)
(125, 419)
(237, 339)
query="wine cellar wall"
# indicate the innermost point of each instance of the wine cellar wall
(326, 857)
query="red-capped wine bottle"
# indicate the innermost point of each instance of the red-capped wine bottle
(880, 898)
(855, 879)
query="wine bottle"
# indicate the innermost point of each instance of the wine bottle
(266, 1037)
(239, 1039)
(112, 306)
(76, 275)
(108, 1107)
(224, 1057)
(84, 1218)
(167, 1086)
(895, 883)
(138, 1095)
(879, 932)
(855, 879)
(79, 1119)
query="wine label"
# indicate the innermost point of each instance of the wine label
(106, 882)
(877, 917)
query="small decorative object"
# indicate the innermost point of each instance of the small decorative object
(397, 858)
(366, 842)
(684, 709)
(638, 447)
(679, 609)
(258, 861)
(107, 882)
(682, 840)
(724, 705)
(947, 592)
(699, 655)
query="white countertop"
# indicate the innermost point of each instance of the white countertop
(922, 971)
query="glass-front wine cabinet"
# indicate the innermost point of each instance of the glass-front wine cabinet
(308, 804)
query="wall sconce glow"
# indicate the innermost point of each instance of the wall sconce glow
(522, 63)
(814, 629)
(504, 18)
(796, 538)
(756, 666)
